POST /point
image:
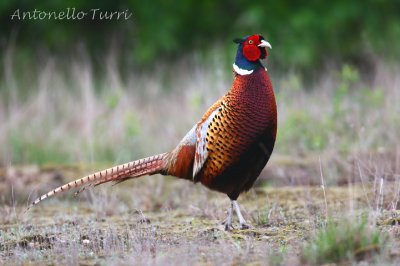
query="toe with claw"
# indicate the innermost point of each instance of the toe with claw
(228, 221)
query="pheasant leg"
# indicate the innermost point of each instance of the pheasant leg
(228, 221)
(242, 221)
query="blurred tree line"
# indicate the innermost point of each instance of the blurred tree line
(307, 33)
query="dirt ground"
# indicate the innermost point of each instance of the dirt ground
(163, 221)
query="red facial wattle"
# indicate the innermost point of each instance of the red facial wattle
(251, 52)
(254, 48)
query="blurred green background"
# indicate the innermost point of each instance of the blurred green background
(113, 90)
(307, 33)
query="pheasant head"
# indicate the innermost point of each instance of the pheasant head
(251, 49)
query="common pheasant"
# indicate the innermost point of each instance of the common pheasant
(227, 149)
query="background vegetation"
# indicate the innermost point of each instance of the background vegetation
(77, 96)
(307, 33)
(346, 39)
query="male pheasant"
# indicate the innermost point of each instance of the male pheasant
(227, 149)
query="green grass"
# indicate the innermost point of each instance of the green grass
(344, 241)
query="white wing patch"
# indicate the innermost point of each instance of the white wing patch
(201, 153)
(190, 137)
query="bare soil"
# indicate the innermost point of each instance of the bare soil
(161, 220)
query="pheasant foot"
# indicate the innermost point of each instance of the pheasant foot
(242, 222)
(228, 221)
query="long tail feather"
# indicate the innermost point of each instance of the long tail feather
(146, 166)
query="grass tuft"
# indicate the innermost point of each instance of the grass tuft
(343, 241)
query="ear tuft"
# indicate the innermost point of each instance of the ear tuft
(238, 40)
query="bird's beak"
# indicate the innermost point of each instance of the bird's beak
(264, 43)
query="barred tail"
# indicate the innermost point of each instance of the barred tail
(146, 166)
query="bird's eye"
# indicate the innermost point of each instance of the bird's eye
(250, 41)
